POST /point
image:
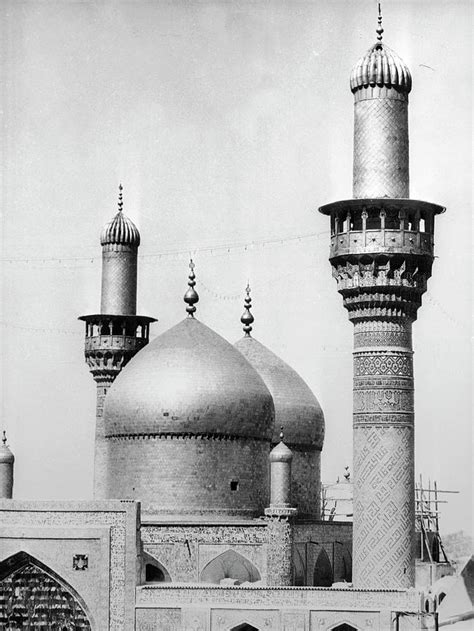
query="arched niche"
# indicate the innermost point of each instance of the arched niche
(299, 570)
(344, 627)
(33, 596)
(323, 575)
(245, 626)
(230, 565)
(154, 571)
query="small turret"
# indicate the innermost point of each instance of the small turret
(280, 474)
(7, 460)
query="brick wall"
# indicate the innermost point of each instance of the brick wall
(178, 474)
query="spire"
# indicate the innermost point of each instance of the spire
(247, 318)
(4, 439)
(281, 433)
(191, 296)
(379, 29)
(120, 198)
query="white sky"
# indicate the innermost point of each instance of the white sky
(227, 122)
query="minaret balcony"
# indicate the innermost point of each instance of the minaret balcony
(385, 226)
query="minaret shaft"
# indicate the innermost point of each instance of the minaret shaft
(119, 279)
(383, 426)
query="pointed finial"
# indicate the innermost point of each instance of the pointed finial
(4, 439)
(191, 296)
(281, 433)
(120, 199)
(247, 318)
(379, 29)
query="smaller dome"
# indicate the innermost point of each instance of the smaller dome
(6, 456)
(381, 67)
(281, 453)
(296, 407)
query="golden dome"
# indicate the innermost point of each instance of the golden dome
(189, 381)
(296, 407)
(381, 67)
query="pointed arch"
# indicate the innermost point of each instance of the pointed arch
(153, 570)
(245, 626)
(230, 565)
(33, 596)
(323, 574)
(299, 570)
(344, 627)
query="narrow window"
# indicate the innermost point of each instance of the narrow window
(234, 485)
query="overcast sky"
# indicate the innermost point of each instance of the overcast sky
(228, 124)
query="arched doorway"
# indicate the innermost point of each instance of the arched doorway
(34, 597)
(323, 576)
(244, 627)
(230, 565)
(344, 627)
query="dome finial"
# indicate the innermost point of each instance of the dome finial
(120, 199)
(4, 439)
(379, 29)
(247, 318)
(191, 296)
(281, 433)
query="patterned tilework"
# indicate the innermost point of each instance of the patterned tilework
(280, 545)
(384, 460)
(381, 148)
(119, 280)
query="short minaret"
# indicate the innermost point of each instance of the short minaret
(280, 514)
(381, 255)
(116, 334)
(7, 460)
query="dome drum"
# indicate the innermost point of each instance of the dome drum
(190, 475)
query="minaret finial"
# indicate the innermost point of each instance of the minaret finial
(281, 433)
(379, 29)
(4, 439)
(120, 199)
(247, 318)
(191, 296)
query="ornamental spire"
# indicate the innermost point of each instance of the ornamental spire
(247, 318)
(379, 29)
(281, 433)
(120, 198)
(191, 296)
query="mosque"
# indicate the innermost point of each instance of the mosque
(207, 474)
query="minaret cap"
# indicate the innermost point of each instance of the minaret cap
(6, 455)
(247, 318)
(191, 296)
(120, 230)
(281, 453)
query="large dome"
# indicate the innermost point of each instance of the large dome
(296, 407)
(188, 425)
(189, 380)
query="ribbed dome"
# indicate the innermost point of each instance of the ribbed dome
(120, 231)
(296, 407)
(189, 380)
(382, 67)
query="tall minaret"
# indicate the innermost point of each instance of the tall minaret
(381, 254)
(116, 334)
